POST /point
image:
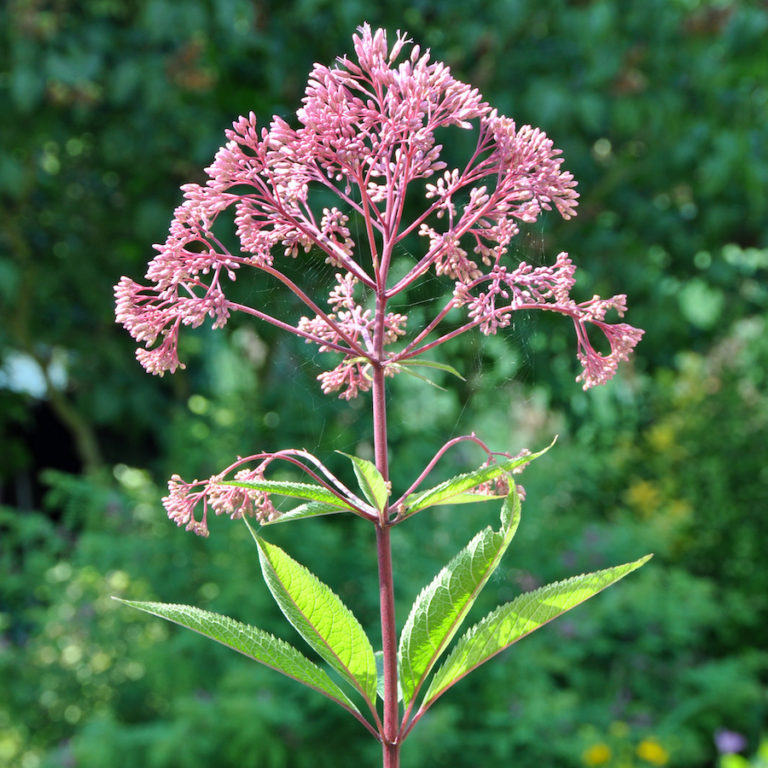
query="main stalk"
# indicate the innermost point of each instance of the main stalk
(390, 744)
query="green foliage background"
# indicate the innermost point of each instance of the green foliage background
(661, 108)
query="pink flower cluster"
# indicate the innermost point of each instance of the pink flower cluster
(241, 491)
(492, 297)
(356, 323)
(367, 135)
(224, 499)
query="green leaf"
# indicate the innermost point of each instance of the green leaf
(288, 488)
(400, 369)
(513, 621)
(431, 364)
(380, 673)
(320, 617)
(474, 498)
(310, 509)
(372, 484)
(442, 606)
(455, 487)
(250, 641)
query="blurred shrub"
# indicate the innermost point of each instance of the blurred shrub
(93, 682)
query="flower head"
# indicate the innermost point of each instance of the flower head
(366, 136)
(652, 752)
(222, 496)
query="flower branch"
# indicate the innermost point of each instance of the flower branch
(433, 461)
(240, 497)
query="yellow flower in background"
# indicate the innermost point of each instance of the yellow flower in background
(662, 437)
(597, 754)
(643, 497)
(679, 510)
(651, 751)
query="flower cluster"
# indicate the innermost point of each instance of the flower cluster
(223, 497)
(500, 485)
(241, 491)
(366, 136)
(492, 298)
(350, 321)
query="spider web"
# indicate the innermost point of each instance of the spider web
(482, 359)
(516, 338)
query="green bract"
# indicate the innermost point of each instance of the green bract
(287, 488)
(374, 487)
(453, 491)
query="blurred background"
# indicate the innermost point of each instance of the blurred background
(661, 109)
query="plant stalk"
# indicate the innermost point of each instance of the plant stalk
(390, 744)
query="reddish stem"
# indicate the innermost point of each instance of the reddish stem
(390, 742)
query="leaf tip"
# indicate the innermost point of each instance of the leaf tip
(250, 529)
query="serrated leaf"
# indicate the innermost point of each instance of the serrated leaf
(374, 487)
(513, 621)
(474, 498)
(441, 607)
(445, 492)
(431, 364)
(380, 677)
(310, 509)
(251, 642)
(287, 488)
(320, 616)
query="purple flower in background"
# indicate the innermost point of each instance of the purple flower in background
(728, 742)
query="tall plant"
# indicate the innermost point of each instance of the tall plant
(366, 137)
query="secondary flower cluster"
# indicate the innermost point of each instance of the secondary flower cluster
(241, 491)
(232, 500)
(366, 137)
